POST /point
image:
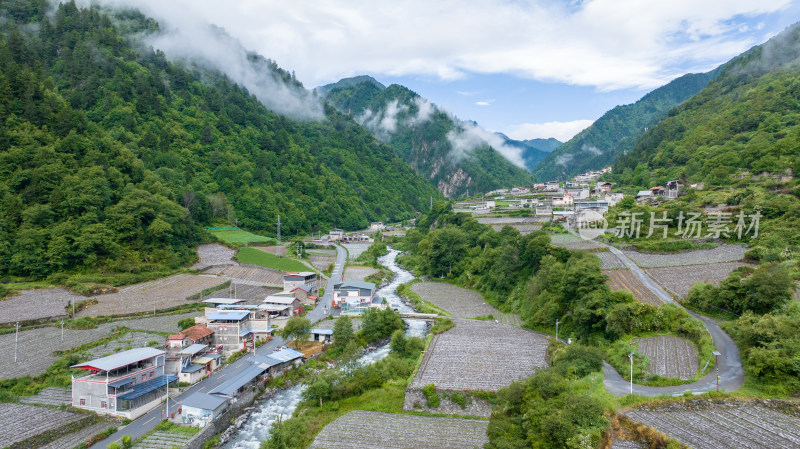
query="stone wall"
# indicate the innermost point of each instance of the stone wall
(475, 406)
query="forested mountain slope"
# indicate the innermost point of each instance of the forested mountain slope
(457, 157)
(618, 130)
(112, 158)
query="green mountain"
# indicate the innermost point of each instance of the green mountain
(618, 130)
(747, 119)
(533, 151)
(112, 158)
(458, 157)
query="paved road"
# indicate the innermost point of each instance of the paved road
(730, 364)
(146, 422)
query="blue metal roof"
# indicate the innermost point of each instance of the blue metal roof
(203, 401)
(193, 349)
(147, 387)
(192, 368)
(230, 387)
(286, 355)
(121, 382)
(321, 331)
(233, 315)
(245, 332)
(268, 361)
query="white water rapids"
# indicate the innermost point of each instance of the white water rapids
(283, 404)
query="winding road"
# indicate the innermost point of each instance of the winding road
(730, 363)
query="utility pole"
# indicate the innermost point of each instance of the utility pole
(557, 322)
(716, 362)
(630, 356)
(16, 340)
(166, 384)
(62, 331)
(279, 230)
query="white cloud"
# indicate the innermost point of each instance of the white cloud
(484, 103)
(609, 44)
(470, 136)
(562, 131)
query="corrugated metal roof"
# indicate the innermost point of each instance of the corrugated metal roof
(246, 376)
(192, 368)
(202, 360)
(266, 360)
(193, 349)
(280, 300)
(223, 301)
(121, 359)
(234, 315)
(203, 401)
(286, 355)
(356, 284)
(121, 382)
(147, 387)
(321, 331)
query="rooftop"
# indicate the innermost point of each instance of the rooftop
(286, 355)
(231, 316)
(203, 401)
(300, 273)
(120, 359)
(197, 332)
(223, 301)
(284, 300)
(232, 385)
(193, 349)
(356, 284)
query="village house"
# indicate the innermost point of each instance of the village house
(232, 330)
(335, 235)
(292, 280)
(613, 198)
(376, 226)
(127, 384)
(644, 196)
(353, 297)
(544, 211)
(321, 335)
(673, 189)
(594, 206)
(306, 294)
(190, 363)
(563, 201)
(199, 334)
(199, 409)
(294, 304)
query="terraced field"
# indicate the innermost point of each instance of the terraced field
(570, 241)
(724, 426)
(163, 440)
(461, 302)
(19, 422)
(253, 294)
(50, 396)
(376, 430)
(36, 346)
(212, 254)
(506, 220)
(358, 273)
(670, 356)
(624, 444)
(678, 280)
(81, 436)
(725, 252)
(481, 356)
(162, 293)
(355, 249)
(128, 341)
(524, 229)
(624, 279)
(46, 303)
(276, 250)
(609, 261)
(249, 275)
(321, 262)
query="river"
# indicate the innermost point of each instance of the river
(284, 402)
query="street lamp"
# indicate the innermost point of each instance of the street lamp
(716, 362)
(630, 356)
(16, 339)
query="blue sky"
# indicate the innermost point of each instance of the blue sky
(529, 69)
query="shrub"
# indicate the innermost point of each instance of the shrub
(431, 396)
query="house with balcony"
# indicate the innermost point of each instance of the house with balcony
(127, 384)
(292, 280)
(232, 330)
(353, 297)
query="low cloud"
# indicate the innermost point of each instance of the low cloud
(562, 131)
(469, 136)
(591, 149)
(564, 159)
(383, 123)
(188, 38)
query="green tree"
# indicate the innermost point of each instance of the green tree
(343, 331)
(398, 343)
(296, 328)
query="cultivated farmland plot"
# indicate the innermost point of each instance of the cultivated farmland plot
(128, 341)
(212, 254)
(162, 293)
(626, 280)
(276, 250)
(724, 426)
(19, 422)
(253, 294)
(481, 356)
(670, 356)
(321, 262)
(358, 273)
(376, 430)
(625, 444)
(609, 261)
(569, 241)
(50, 396)
(249, 275)
(163, 440)
(163, 323)
(355, 249)
(678, 280)
(506, 220)
(524, 229)
(79, 437)
(459, 302)
(725, 252)
(37, 304)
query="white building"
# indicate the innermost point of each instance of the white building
(199, 409)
